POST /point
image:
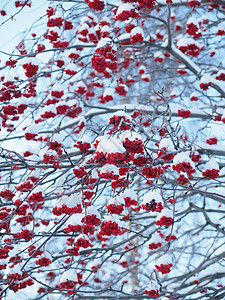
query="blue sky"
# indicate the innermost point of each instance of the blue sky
(10, 32)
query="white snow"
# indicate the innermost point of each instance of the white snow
(164, 259)
(46, 151)
(83, 26)
(206, 78)
(109, 169)
(113, 218)
(137, 30)
(32, 129)
(156, 238)
(80, 84)
(121, 113)
(131, 135)
(142, 68)
(194, 94)
(165, 212)
(92, 16)
(69, 275)
(110, 145)
(55, 29)
(220, 27)
(124, 36)
(84, 139)
(153, 285)
(35, 173)
(124, 7)
(74, 219)
(117, 200)
(103, 42)
(94, 174)
(50, 108)
(192, 20)
(158, 54)
(130, 193)
(71, 201)
(211, 164)
(183, 157)
(220, 72)
(38, 189)
(152, 195)
(91, 210)
(71, 67)
(167, 144)
(108, 92)
(57, 137)
(145, 76)
(32, 60)
(105, 29)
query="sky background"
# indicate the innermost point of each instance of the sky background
(11, 31)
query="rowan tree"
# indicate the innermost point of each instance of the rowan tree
(112, 151)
